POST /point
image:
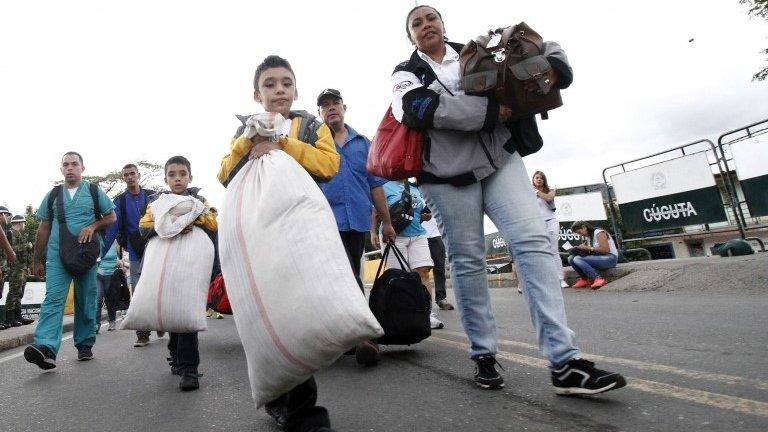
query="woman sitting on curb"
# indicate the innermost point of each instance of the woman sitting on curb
(600, 253)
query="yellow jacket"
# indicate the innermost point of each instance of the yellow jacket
(206, 221)
(320, 159)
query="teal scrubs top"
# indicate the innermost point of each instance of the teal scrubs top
(78, 210)
(108, 263)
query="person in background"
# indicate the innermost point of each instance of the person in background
(599, 254)
(107, 266)
(437, 251)
(7, 255)
(545, 196)
(130, 206)
(17, 273)
(79, 207)
(411, 241)
(352, 193)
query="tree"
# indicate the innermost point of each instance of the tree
(30, 230)
(758, 8)
(112, 181)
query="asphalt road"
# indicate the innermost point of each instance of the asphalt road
(694, 363)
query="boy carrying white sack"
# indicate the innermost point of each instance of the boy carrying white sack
(178, 263)
(295, 302)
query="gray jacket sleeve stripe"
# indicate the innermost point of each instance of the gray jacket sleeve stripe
(420, 107)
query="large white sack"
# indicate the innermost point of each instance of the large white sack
(295, 301)
(173, 289)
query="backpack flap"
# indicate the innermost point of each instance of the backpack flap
(534, 68)
(480, 82)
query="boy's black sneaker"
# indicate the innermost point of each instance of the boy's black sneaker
(485, 373)
(141, 341)
(189, 382)
(84, 353)
(367, 354)
(278, 413)
(41, 356)
(580, 377)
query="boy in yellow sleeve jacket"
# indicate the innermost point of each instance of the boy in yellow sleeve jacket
(183, 347)
(310, 142)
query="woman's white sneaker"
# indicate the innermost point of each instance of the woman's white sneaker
(434, 323)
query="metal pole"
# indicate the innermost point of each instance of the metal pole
(731, 192)
(616, 231)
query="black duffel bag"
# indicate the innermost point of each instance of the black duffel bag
(118, 296)
(400, 302)
(78, 258)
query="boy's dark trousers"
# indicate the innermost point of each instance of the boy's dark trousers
(184, 353)
(354, 245)
(437, 250)
(299, 409)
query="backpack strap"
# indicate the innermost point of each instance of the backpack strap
(307, 127)
(60, 216)
(122, 199)
(51, 198)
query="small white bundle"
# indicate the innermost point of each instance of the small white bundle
(266, 124)
(173, 213)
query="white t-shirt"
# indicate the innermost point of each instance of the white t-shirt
(544, 208)
(611, 243)
(72, 192)
(431, 227)
(448, 72)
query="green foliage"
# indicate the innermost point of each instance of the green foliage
(112, 182)
(758, 8)
(32, 223)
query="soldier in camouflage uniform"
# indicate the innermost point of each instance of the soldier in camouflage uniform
(5, 217)
(17, 274)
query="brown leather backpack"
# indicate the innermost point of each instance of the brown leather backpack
(501, 62)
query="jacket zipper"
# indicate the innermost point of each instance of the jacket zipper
(487, 153)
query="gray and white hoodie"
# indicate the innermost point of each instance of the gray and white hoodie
(464, 142)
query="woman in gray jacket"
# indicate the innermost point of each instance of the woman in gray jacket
(473, 166)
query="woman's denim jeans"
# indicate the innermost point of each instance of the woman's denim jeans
(586, 265)
(506, 198)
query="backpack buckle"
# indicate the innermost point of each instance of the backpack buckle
(499, 56)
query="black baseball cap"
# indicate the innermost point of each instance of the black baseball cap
(329, 92)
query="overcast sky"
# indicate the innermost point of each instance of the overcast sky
(120, 81)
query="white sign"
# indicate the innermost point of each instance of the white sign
(586, 207)
(683, 174)
(34, 293)
(751, 158)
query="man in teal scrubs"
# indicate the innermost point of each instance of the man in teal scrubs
(80, 216)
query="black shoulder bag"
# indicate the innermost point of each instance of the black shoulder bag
(137, 242)
(78, 258)
(401, 211)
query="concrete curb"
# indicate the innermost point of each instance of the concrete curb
(28, 338)
(8, 342)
